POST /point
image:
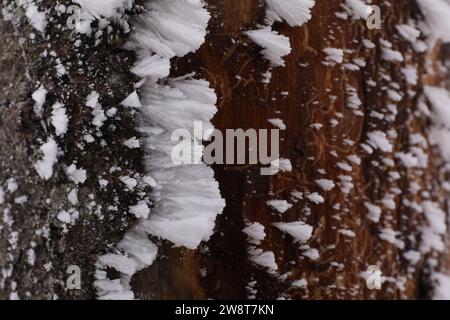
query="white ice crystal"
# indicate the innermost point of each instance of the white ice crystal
(410, 74)
(436, 13)
(77, 175)
(275, 45)
(374, 212)
(73, 196)
(435, 216)
(301, 283)
(408, 32)
(132, 143)
(2, 195)
(105, 8)
(97, 111)
(392, 55)
(441, 290)
(379, 140)
(353, 100)
(280, 205)
(140, 210)
(170, 28)
(440, 131)
(186, 197)
(39, 97)
(44, 167)
(255, 232)
(278, 165)
(315, 198)
(325, 184)
(334, 55)
(300, 231)
(64, 216)
(390, 236)
(138, 246)
(130, 182)
(276, 122)
(294, 12)
(311, 253)
(119, 262)
(264, 259)
(37, 19)
(104, 11)
(132, 101)
(359, 8)
(59, 119)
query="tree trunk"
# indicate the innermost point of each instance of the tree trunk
(324, 137)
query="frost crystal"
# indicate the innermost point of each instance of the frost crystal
(44, 167)
(294, 12)
(186, 197)
(275, 46)
(300, 231)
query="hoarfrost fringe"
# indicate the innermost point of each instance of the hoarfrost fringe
(186, 198)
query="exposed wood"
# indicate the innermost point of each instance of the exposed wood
(235, 67)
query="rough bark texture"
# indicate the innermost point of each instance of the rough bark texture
(221, 269)
(104, 68)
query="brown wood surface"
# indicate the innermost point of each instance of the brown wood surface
(235, 66)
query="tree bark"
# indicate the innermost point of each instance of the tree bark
(221, 268)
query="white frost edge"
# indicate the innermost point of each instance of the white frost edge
(186, 197)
